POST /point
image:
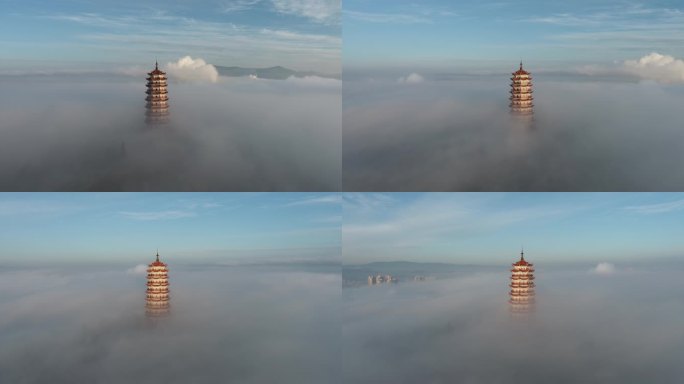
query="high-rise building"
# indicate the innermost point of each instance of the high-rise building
(157, 97)
(157, 289)
(521, 92)
(522, 286)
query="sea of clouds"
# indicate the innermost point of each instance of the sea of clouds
(617, 129)
(588, 327)
(67, 131)
(227, 325)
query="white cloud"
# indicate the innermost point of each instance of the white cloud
(390, 18)
(157, 215)
(315, 82)
(239, 5)
(334, 199)
(661, 68)
(322, 11)
(657, 208)
(413, 78)
(604, 269)
(139, 269)
(193, 70)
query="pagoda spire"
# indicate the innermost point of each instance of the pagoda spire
(522, 286)
(157, 302)
(157, 96)
(521, 92)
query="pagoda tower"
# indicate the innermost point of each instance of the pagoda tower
(522, 286)
(157, 97)
(521, 92)
(157, 289)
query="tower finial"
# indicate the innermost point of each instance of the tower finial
(156, 64)
(521, 64)
(522, 253)
(157, 254)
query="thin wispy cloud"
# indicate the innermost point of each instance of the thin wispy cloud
(157, 215)
(322, 11)
(312, 43)
(389, 18)
(316, 200)
(239, 5)
(649, 209)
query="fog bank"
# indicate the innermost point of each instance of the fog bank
(454, 133)
(237, 325)
(70, 132)
(587, 328)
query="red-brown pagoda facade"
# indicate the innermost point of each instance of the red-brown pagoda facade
(522, 286)
(157, 97)
(157, 289)
(521, 92)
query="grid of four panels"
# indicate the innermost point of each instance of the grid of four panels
(234, 191)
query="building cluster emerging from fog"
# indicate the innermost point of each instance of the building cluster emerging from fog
(157, 303)
(157, 97)
(379, 279)
(522, 286)
(521, 92)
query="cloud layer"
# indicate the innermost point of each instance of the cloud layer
(238, 325)
(662, 68)
(193, 70)
(604, 269)
(87, 132)
(585, 329)
(456, 134)
(413, 78)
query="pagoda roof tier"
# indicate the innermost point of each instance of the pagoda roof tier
(158, 299)
(517, 105)
(156, 91)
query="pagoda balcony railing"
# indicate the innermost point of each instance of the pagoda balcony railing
(157, 299)
(520, 91)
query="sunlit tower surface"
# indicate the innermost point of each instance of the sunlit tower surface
(157, 97)
(521, 93)
(522, 286)
(157, 289)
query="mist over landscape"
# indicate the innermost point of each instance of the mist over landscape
(603, 131)
(87, 131)
(617, 324)
(240, 324)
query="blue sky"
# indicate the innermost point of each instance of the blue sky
(447, 34)
(231, 227)
(45, 34)
(490, 228)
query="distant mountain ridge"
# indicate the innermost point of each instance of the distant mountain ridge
(271, 73)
